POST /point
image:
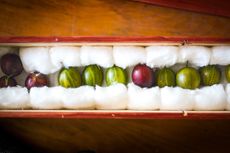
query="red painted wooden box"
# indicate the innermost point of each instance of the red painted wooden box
(120, 114)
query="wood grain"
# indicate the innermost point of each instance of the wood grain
(214, 7)
(112, 136)
(104, 18)
(112, 18)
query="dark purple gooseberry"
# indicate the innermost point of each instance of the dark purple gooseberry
(36, 79)
(143, 76)
(11, 64)
(6, 81)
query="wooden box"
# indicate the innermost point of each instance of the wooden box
(119, 114)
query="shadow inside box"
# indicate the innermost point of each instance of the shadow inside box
(11, 144)
(106, 135)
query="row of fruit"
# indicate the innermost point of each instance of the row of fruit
(142, 75)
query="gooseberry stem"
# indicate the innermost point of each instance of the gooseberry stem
(187, 64)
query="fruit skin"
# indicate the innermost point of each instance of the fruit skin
(166, 77)
(69, 78)
(36, 79)
(115, 75)
(11, 64)
(143, 76)
(92, 75)
(227, 73)
(210, 75)
(188, 78)
(6, 81)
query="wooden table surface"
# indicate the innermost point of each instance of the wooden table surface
(109, 18)
(104, 17)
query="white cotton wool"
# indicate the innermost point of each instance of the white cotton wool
(210, 98)
(143, 98)
(125, 56)
(46, 97)
(111, 97)
(37, 59)
(14, 98)
(100, 55)
(220, 55)
(227, 89)
(160, 56)
(176, 98)
(65, 56)
(196, 55)
(79, 98)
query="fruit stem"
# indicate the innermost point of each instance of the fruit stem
(6, 80)
(187, 64)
